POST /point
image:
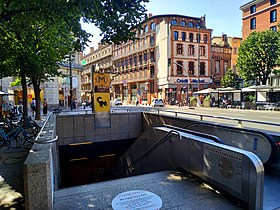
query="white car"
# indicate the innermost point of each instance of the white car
(116, 102)
(157, 102)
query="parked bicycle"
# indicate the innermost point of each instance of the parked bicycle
(15, 134)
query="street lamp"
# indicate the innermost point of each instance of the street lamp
(198, 57)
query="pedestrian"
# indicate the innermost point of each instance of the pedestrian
(20, 104)
(213, 101)
(45, 107)
(33, 106)
(5, 109)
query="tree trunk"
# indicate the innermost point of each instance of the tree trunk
(24, 93)
(37, 91)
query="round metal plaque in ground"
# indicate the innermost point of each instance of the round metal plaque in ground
(137, 199)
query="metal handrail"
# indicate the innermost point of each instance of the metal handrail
(45, 141)
(154, 146)
(36, 141)
(220, 117)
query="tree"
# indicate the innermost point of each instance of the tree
(37, 34)
(258, 55)
(230, 79)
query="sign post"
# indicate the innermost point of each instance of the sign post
(101, 100)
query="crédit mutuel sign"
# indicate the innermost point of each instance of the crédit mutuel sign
(194, 81)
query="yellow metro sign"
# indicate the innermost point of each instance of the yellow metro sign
(102, 102)
(101, 79)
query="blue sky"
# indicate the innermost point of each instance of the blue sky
(222, 16)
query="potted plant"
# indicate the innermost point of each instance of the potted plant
(206, 101)
(193, 101)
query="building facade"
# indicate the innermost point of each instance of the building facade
(57, 90)
(101, 59)
(221, 58)
(259, 15)
(169, 58)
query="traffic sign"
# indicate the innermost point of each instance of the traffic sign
(84, 62)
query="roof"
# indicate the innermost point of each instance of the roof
(245, 6)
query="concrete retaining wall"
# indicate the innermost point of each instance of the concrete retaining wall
(81, 128)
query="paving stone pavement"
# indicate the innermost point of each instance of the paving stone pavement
(11, 175)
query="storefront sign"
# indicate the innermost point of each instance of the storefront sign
(191, 81)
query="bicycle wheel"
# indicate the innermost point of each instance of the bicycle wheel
(18, 140)
(4, 144)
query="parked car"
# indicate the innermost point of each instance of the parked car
(116, 102)
(157, 103)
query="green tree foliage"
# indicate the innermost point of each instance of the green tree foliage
(258, 55)
(36, 34)
(229, 79)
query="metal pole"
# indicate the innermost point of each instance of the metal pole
(92, 88)
(198, 59)
(71, 82)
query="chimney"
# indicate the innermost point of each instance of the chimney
(224, 38)
(91, 49)
(100, 45)
(150, 15)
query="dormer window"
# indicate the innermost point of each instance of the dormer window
(173, 22)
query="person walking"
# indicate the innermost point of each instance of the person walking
(33, 106)
(6, 109)
(45, 107)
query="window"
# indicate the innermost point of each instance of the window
(191, 37)
(152, 71)
(175, 35)
(126, 62)
(183, 36)
(152, 40)
(135, 59)
(153, 26)
(202, 50)
(179, 49)
(226, 66)
(253, 23)
(191, 50)
(191, 24)
(273, 16)
(235, 50)
(130, 60)
(191, 68)
(179, 67)
(273, 28)
(217, 67)
(183, 23)
(152, 56)
(272, 2)
(173, 22)
(253, 9)
(146, 29)
(198, 38)
(201, 68)
(140, 59)
(145, 56)
(205, 38)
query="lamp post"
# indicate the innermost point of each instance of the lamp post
(198, 57)
(71, 82)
